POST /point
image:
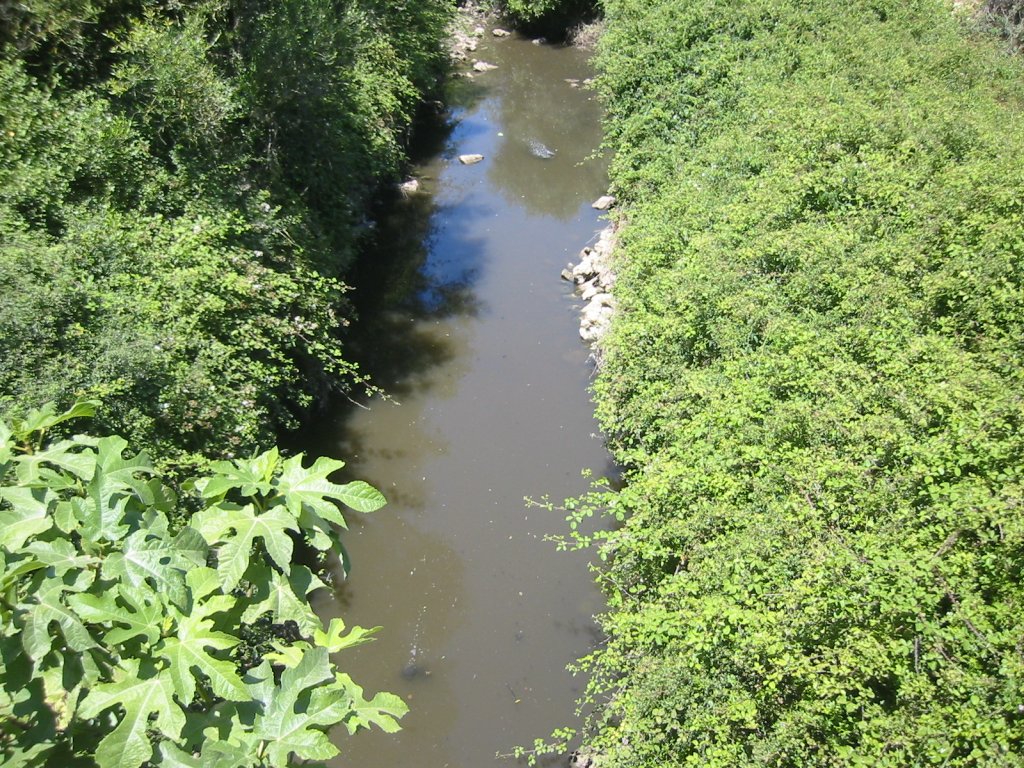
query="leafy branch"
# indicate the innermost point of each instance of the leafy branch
(121, 634)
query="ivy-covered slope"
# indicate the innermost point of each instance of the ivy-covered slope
(182, 185)
(815, 382)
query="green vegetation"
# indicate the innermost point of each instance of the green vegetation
(1005, 17)
(554, 17)
(815, 384)
(182, 186)
(156, 661)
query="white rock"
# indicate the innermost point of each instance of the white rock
(498, 32)
(603, 203)
(597, 311)
(592, 328)
(590, 289)
(583, 271)
(483, 66)
(410, 187)
(470, 159)
(479, 31)
(590, 333)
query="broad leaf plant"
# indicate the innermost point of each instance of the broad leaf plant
(124, 636)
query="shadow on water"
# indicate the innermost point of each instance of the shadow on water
(401, 289)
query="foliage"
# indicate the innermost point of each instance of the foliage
(1006, 17)
(123, 638)
(555, 15)
(182, 187)
(333, 88)
(815, 383)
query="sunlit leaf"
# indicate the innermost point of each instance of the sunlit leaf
(136, 700)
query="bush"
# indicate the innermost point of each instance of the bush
(128, 640)
(814, 381)
(181, 192)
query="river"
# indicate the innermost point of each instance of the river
(465, 322)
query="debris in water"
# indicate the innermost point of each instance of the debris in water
(538, 149)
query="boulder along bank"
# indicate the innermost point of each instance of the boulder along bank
(594, 278)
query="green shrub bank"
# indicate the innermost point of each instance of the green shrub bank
(815, 383)
(182, 186)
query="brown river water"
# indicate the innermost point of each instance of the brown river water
(465, 322)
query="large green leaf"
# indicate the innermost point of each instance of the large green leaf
(188, 653)
(28, 515)
(309, 485)
(142, 699)
(285, 598)
(236, 529)
(60, 555)
(345, 701)
(252, 476)
(45, 608)
(127, 611)
(289, 728)
(334, 638)
(11, 571)
(41, 419)
(153, 562)
(74, 456)
(112, 488)
(318, 532)
(240, 752)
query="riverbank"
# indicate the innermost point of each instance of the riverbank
(181, 195)
(813, 377)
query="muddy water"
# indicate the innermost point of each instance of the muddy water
(475, 337)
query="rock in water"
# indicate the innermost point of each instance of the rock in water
(483, 66)
(603, 203)
(537, 149)
(501, 33)
(412, 670)
(470, 159)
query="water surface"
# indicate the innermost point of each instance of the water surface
(476, 339)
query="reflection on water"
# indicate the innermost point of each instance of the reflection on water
(538, 107)
(466, 324)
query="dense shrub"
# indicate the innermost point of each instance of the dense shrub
(815, 382)
(1006, 17)
(552, 17)
(181, 190)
